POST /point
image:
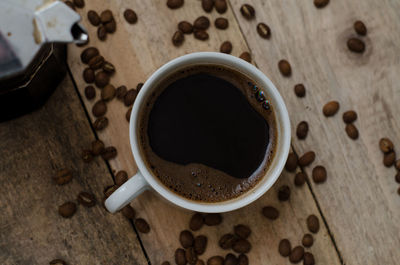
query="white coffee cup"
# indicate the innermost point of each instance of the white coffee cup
(144, 178)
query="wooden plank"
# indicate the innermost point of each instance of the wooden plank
(32, 149)
(137, 51)
(359, 200)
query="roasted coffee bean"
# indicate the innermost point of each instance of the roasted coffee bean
(101, 79)
(308, 259)
(227, 240)
(111, 26)
(386, 145)
(67, 209)
(200, 244)
(201, 35)
(96, 62)
(121, 177)
(226, 47)
(108, 92)
(247, 11)
(265, 32)
(180, 257)
(166, 263)
(128, 114)
(186, 238)
(349, 116)
(106, 16)
(231, 259)
(88, 75)
(241, 246)
(397, 177)
(319, 174)
(299, 179)
(207, 5)
(199, 262)
(87, 156)
(330, 108)
(212, 219)
(389, 158)
(109, 153)
(57, 262)
(109, 190)
(88, 54)
(196, 222)
(130, 16)
(270, 212)
(285, 247)
(86, 199)
(130, 97)
(178, 38)
(307, 240)
(221, 23)
(139, 86)
(121, 92)
(352, 131)
(313, 223)
(300, 90)
(397, 164)
(306, 159)
(242, 231)
(215, 260)
(174, 4)
(201, 23)
(100, 123)
(63, 177)
(97, 147)
(185, 27)
(302, 130)
(79, 3)
(142, 226)
(93, 18)
(70, 4)
(102, 33)
(90, 92)
(128, 212)
(284, 68)
(221, 6)
(284, 193)
(108, 67)
(321, 3)
(291, 162)
(246, 56)
(297, 254)
(99, 108)
(243, 259)
(360, 28)
(356, 45)
(191, 256)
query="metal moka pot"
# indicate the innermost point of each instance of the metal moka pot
(33, 34)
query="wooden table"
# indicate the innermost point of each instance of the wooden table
(358, 207)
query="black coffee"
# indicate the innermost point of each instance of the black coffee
(208, 133)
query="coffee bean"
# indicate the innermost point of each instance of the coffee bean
(97, 147)
(284, 68)
(201, 35)
(142, 226)
(306, 159)
(99, 108)
(109, 190)
(106, 16)
(70, 4)
(300, 90)
(96, 62)
(90, 92)
(242, 231)
(319, 174)
(121, 92)
(86, 199)
(128, 114)
(79, 3)
(221, 23)
(386, 145)
(265, 32)
(321, 3)
(88, 54)
(102, 33)
(63, 177)
(201, 23)
(230, 259)
(207, 5)
(88, 75)
(226, 241)
(352, 131)
(130, 97)
(130, 16)
(196, 222)
(200, 262)
(128, 212)
(307, 240)
(166, 263)
(93, 18)
(284, 193)
(139, 87)
(247, 11)
(108, 67)
(397, 177)
(291, 162)
(180, 257)
(246, 56)
(360, 28)
(241, 246)
(178, 38)
(200, 244)
(397, 164)
(221, 6)
(108, 92)
(110, 26)
(270, 212)
(313, 223)
(121, 177)
(186, 238)
(389, 158)
(67, 209)
(284, 247)
(226, 47)
(215, 260)
(174, 4)
(100, 123)
(109, 153)
(356, 45)
(330, 108)
(87, 156)
(302, 130)
(349, 116)
(101, 79)
(308, 259)
(299, 179)
(58, 262)
(185, 27)
(191, 256)
(297, 254)
(212, 219)
(243, 259)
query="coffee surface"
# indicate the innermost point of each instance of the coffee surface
(205, 135)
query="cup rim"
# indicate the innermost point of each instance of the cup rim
(270, 176)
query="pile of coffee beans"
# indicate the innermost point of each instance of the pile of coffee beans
(356, 44)
(389, 157)
(105, 22)
(98, 149)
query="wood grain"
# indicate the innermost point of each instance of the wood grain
(359, 200)
(32, 149)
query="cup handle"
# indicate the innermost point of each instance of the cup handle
(126, 193)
